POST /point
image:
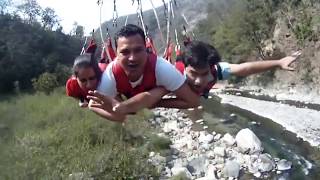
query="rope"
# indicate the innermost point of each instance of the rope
(83, 47)
(114, 15)
(157, 18)
(100, 2)
(139, 11)
(168, 23)
(185, 19)
(126, 21)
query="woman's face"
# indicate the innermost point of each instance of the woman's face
(87, 79)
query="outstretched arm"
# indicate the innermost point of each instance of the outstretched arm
(249, 68)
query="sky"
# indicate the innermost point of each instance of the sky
(86, 12)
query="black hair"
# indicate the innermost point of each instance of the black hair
(129, 30)
(85, 61)
(199, 55)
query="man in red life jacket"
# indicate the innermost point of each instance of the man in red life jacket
(202, 67)
(135, 72)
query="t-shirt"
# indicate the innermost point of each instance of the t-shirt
(166, 76)
(223, 71)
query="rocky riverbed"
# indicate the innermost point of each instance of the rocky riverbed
(210, 155)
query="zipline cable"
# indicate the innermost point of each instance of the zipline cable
(158, 22)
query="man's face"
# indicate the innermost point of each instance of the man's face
(132, 55)
(197, 78)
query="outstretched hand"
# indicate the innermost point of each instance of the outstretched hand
(287, 61)
(102, 101)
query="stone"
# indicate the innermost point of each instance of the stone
(231, 169)
(248, 142)
(178, 170)
(257, 174)
(265, 163)
(205, 138)
(199, 120)
(219, 151)
(151, 154)
(284, 165)
(197, 165)
(217, 137)
(228, 139)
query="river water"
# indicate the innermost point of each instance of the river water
(275, 140)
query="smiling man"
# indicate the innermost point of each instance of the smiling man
(136, 71)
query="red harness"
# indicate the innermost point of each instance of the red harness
(148, 82)
(150, 46)
(111, 52)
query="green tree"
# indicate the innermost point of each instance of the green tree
(31, 9)
(49, 18)
(46, 83)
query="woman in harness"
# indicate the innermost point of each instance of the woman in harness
(86, 74)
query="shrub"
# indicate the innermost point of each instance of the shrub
(46, 82)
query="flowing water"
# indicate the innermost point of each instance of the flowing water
(275, 140)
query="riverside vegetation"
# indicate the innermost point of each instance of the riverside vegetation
(50, 137)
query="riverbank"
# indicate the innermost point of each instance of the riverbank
(300, 120)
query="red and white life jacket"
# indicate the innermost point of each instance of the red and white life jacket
(148, 82)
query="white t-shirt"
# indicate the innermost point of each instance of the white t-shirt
(166, 76)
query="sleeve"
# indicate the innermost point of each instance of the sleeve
(168, 76)
(107, 85)
(223, 68)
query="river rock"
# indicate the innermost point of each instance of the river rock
(217, 137)
(247, 141)
(283, 165)
(219, 151)
(266, 163)
(170, 126)
(197, 165)
(199, 121)
(205, 138)
(228, 139)
(178, 170)
(231, 169)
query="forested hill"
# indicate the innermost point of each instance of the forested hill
(33, 47)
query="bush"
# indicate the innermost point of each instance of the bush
(46, 82)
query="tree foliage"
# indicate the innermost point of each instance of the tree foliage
(45, 83)
(28, 50)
